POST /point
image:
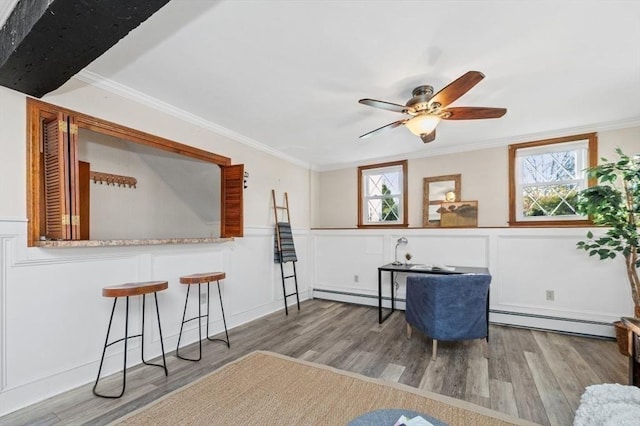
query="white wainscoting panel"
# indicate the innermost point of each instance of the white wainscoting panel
(588, 294)
(51, 303)
(583, 286)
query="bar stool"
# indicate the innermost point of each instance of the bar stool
(200, 279)
(128, 290)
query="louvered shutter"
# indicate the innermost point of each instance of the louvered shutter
(60, 175)
(73, 177)
(232, 203)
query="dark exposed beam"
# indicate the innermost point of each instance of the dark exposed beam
(44, 43)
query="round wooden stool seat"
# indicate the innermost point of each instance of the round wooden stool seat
(202, 278)
(134, 289)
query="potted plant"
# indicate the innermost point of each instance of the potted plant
(615, 203)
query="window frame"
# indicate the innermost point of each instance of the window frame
(404, 223)
(592, 160)
(231, 181)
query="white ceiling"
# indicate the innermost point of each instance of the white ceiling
(286, 76)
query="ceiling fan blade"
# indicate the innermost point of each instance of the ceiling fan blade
(387, 105)
(456, 88)
(430, 137)
(383, 128)
(473, 113)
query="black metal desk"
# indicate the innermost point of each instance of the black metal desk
(394, 269)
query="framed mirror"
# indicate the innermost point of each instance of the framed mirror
(437, 189)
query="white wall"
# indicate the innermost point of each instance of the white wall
(150, 210)
(50, 299)
(484, 178)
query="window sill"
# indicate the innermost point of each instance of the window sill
(120, 243)
(395, 225)
(551, 223)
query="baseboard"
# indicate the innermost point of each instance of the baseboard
(581, 327)
(357, 298)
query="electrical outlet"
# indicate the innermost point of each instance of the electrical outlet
(203, 298)
(551, 295)
(356, 278)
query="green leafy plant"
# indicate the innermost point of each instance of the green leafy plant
(615, 203)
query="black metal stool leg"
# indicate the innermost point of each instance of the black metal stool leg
(144, 303)
(164, 366)
(199, 323)
(224, 321)
(184, 313)
(208, 338)
(104, 351)
(199, 317)
(126, 339)
(126, 348)
(164, 361)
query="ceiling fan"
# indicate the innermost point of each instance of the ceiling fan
(428, 109)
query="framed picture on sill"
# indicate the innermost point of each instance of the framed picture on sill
(459, 214)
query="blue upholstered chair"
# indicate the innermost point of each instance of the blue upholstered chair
(448, 307)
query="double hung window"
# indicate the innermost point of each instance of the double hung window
(546, 177)
(382, 194)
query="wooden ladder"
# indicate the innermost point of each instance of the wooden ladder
(285, 249)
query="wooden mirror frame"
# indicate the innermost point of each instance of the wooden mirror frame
(428, 201)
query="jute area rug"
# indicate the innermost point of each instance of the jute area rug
(264, 388)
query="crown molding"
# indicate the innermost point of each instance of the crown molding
(491, 143)
(103, 83)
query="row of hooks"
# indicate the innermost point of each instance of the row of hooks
(111, 179)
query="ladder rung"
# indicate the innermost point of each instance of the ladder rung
(291, 294)
(288, 276)
(280, 207)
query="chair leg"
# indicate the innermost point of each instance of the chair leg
(435, 349)
(409, 330)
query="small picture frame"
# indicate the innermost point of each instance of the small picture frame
(459, 214)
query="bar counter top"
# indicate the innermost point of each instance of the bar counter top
(117, 243)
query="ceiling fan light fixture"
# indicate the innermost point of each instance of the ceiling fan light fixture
(422, 124)
(426, 109)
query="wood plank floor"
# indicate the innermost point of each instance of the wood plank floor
(534, 375)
